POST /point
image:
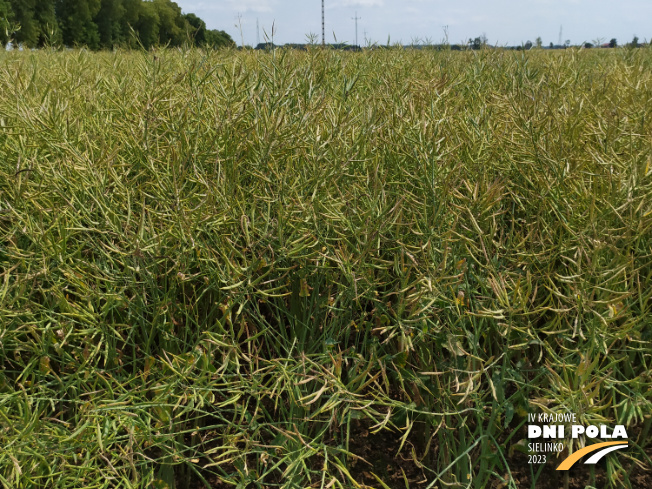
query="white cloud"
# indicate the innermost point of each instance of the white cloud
(235, 6)
(357, 3)
(251, 5)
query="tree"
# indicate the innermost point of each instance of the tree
(613, 43)
(217, 39)
(147, 25)
(528, 45)
(28, 34)
(36, 20)
(598, 41)
(99, 24)
(479, 42)
(110, 23)
(196, 29)
(6, 22)
(171, 24)
(129, 22)
(48, 25)
(539, 42)
(76, 21)
(634, 43)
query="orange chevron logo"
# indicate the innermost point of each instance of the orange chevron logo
(601, 448)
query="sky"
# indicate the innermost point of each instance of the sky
(503, 22)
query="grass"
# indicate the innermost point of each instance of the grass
(233, 268)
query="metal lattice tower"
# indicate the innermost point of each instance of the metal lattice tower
(356, 18)
(323, 31)
(561, 27)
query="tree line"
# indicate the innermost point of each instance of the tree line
(104, 24)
